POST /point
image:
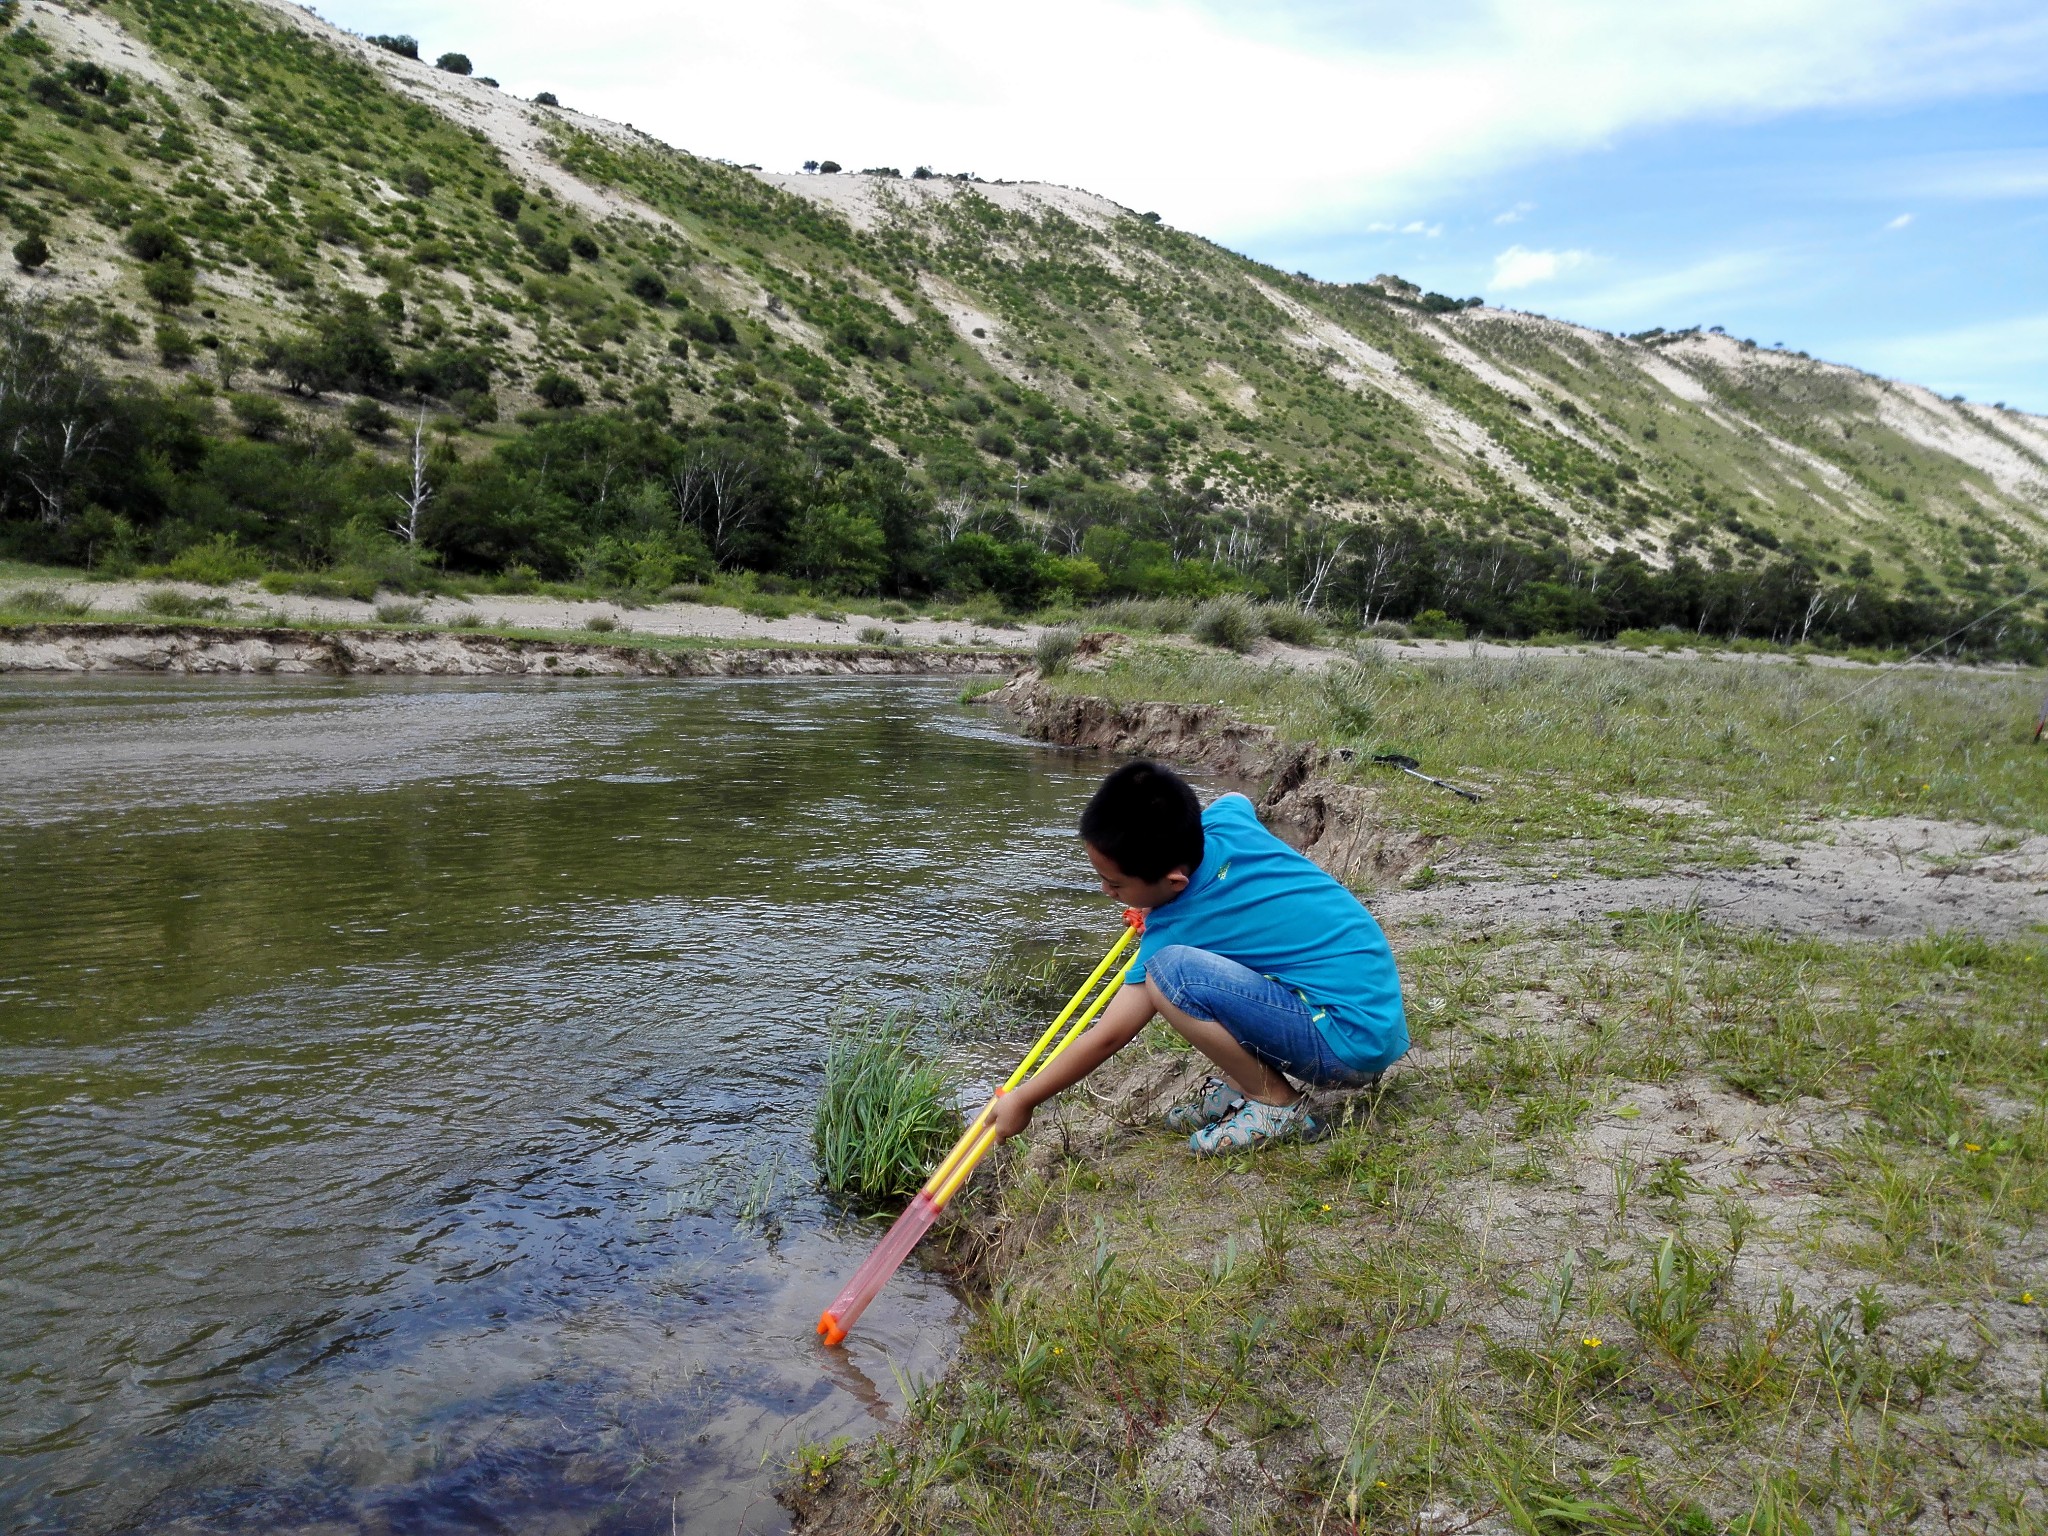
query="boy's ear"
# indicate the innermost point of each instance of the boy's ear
(1178, 880)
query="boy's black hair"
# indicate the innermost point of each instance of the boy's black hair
(1145, 820)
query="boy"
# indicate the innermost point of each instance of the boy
(1262, 962)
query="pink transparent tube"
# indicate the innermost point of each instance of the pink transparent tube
(868, 1280)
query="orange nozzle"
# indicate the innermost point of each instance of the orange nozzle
(828, 1325)
(1133, 918)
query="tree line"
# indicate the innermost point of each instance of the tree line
(119, 476)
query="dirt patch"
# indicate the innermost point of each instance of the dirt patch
(426, 653)
(1896, 877)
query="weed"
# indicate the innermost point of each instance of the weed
(885, 1116)
(873, 634)
(170, 603)
(401, 613)
(1228, 622)
(43, 602)
(1055, 648)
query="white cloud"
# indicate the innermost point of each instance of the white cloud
(1245, 118)
(1519, 267)
(1417, 227)
(1900, 222)
(1650, 299)
(1988, 360)
(1514, 215)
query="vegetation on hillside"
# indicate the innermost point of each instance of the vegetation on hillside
(315, 273)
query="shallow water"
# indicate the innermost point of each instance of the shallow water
(388, 1071)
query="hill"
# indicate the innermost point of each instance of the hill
(262, 251)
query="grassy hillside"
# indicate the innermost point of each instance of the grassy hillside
(267, 248)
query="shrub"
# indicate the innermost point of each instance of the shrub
(552, 256)
(261, 417)
(1229, 622)
(648, 285)
(400, 613)
(507, 201)
(586, 249)
(216, 562)
(43, 601)
(170, 603)
(547, 99)
(885, 1117)
(174, 344)
(415, 181)
(169, 284)
(31, 251)
(405, 47)
(873, 634)
(153, 240)
(1435, 624)
(1292, 625)
(454, 63)
(557, 391)
(1055, 648)
(1168, 615)
(366, 418)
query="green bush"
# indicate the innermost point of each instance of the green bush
(216, 562)
(886, 1114)
(401, 613)
(1435, 624)
(1291, 625)
(1228, 622)
(31, 251)
(558, 392)
(873, 634)
(174, 344)
(453, 63)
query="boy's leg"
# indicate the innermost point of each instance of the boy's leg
(1248, 1025)
(1254, 1079)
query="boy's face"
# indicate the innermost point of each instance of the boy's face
(1142, 894)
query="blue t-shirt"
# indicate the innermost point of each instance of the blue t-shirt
(1258, 902)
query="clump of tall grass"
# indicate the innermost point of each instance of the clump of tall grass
(886, 1116)
(45, 602)
(1055, 648)
(401, 613)
(1291, 625)
(170, 603)
(1228, 622)
(1167, 615)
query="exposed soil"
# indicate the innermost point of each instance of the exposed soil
(436, 653)
(1888, 878)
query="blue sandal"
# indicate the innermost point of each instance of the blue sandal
(1219, 1096)
(1256, 1125)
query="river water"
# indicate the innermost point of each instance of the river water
(405, 1086)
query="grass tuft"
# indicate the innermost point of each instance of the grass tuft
(886, 1115)
(42, 602)
(1055, 648)
(1229, 623)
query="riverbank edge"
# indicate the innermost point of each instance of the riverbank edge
(1332, 822)
(217, 650)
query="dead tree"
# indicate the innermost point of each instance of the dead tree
(418, 493)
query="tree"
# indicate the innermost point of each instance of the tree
(838, 547)
(720, 490)
(174, 344)
(405, 47)
(557, 391)
(31, 251)
(828, 167)
(418, 492)
(811, 165)
(169, 284)
(366, 418)
(55, 412)
(454, 63)
(153, 240)
(547, 99)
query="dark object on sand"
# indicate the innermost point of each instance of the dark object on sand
(1409, 766)
(2041, 725)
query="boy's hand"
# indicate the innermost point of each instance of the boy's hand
(1012, 1115)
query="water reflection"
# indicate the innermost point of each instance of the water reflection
(388, 1071)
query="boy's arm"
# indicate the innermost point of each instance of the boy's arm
(1128, 1012)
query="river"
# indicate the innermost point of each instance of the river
(405, 1087)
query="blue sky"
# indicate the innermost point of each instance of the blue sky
(1866, 180)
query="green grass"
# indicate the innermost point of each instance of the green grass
(1563, 745)
(886, 1114)
(1444, 1305)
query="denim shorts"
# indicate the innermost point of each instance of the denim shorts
(1267, 1019)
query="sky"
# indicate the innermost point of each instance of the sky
(1864, 180)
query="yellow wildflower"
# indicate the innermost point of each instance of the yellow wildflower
(1326, 1207)
(1591, 1341)
(2026, 1298)
(1971, 1146)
